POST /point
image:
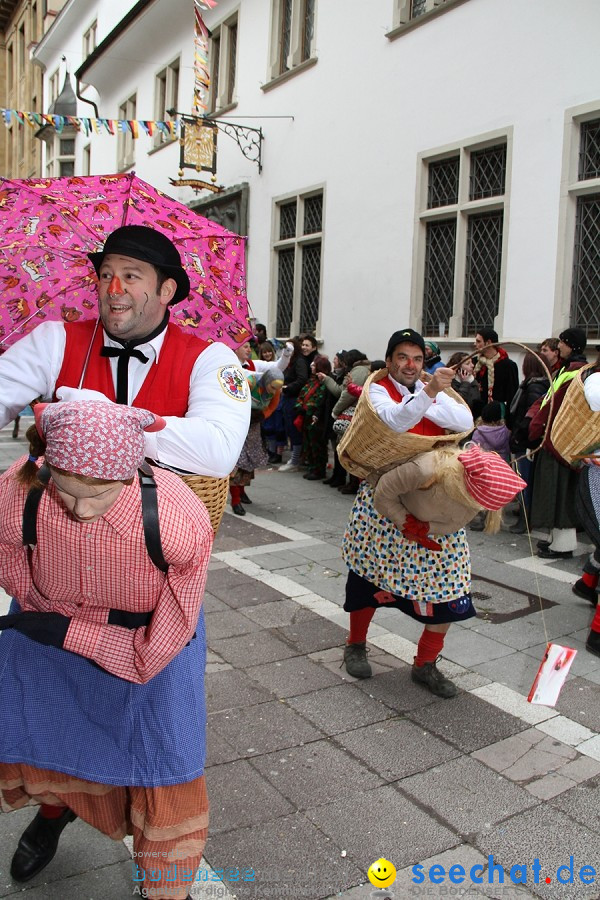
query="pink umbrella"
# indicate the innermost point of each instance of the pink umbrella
(47, 227)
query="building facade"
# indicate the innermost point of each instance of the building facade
(425, 162)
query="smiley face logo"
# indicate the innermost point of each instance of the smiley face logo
(381, 873)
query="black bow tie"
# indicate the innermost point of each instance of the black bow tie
(124, 354)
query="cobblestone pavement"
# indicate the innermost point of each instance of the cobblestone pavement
(313, 775)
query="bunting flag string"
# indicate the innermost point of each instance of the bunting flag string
(88, 126)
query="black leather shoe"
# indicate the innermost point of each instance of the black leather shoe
(543, 545)
(547, 553)
(245, 498)
(37, 845)
(238, 509)
(592, 645)
(583, 590)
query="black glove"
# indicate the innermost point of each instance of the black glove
(45, 628)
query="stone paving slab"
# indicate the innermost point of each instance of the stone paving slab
(278, 613)
(316, 774)
(448, 720)
(290, 677)
(262, 729)
(239, 796)
(308, 637)
(252, 649)
(85, 851)
(516, 671)
(468, 648)
(232, 689)
(396, 748)
(383, 822)
(476, 801)
(340, 708)
(582, 803)
(228, 623)
(290, 856)
(552, 837)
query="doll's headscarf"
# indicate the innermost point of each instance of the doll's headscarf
(94, 438)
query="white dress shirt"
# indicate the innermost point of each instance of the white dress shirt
(444, 410)
(207, 441)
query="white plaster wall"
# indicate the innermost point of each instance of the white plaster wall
(361, 116)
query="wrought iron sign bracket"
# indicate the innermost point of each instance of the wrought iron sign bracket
(248, 139)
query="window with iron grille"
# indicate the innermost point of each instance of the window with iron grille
(586, 266)
(459, 277)
(166, 93)
(297, 250)
(223, 63)
(407, 11)
(589, 151)
(125, 142)
(292, 40)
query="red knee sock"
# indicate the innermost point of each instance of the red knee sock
(359, 624)
(51, 812)
(595, 626)
(236, 494)
(429, 646)
(590, 580)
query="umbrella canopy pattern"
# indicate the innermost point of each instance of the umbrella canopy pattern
(47, 227)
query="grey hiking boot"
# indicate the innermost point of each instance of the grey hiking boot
(430, 676)
(355, 660)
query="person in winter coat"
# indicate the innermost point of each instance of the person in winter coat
(296, 376)
(433, 359)
(491, 432)
(311, 405)
(358, 371)
(533, 387)
(498, 376)
(334, 384)
(555, 483)
(464, 382)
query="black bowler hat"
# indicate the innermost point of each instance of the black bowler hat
(149, 246)
(408, 336)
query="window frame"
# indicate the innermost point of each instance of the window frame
(225, 95)
(571, 189)
(299, 57)
(55, 158)
(125, 142)
(404, 21)
(298, 242)
(170, 100)
(89, 40)
(461, 212)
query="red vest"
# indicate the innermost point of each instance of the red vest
(166, 388)
(425, 426)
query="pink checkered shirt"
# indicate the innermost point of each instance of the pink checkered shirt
(83, 570)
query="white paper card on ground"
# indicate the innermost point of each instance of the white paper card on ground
(551, 674)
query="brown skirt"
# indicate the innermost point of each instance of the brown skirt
(169, 824)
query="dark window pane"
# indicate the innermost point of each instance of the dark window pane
(589, 150)
(308, 30)
(585, 296)
(311, 283)
(418, 7)
(438, 291)
(285, 291)
(287, 220)
(484, 258)
(286, 35)
(442, 189)
(313, 214)
(232, 62)
(488, 172)
(66, 168)
(215, 48)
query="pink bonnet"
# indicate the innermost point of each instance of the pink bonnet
(489, 479)
(95, 438)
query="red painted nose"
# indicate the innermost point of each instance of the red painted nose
(115, 289)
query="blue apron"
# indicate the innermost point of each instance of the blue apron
(59, 711)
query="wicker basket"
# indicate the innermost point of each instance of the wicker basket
(213, 493)
(371, 447)
(576, 429)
